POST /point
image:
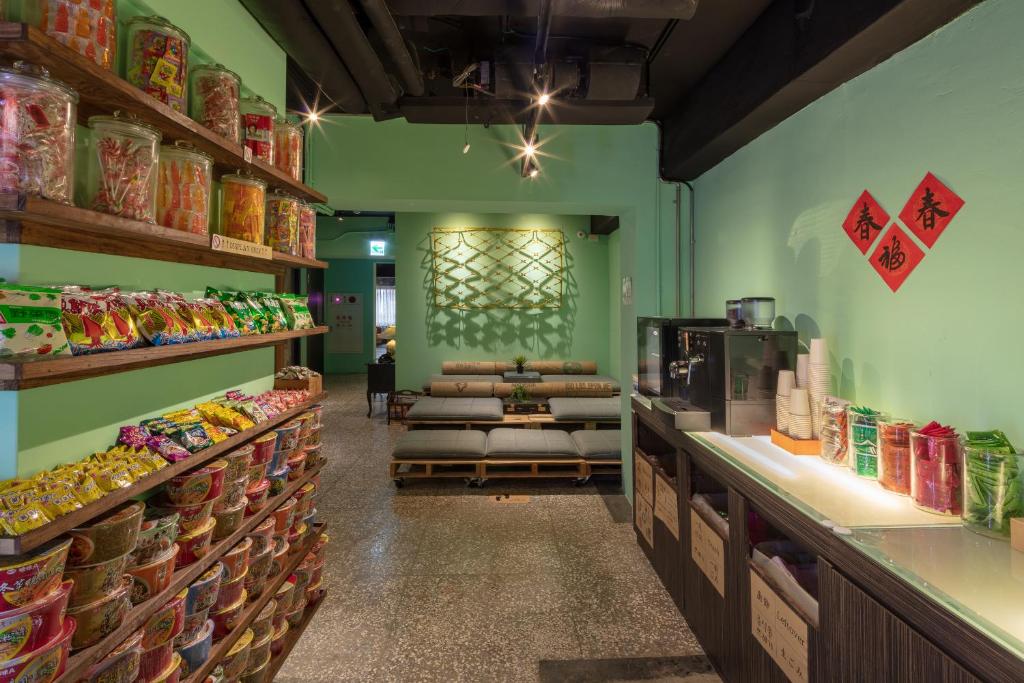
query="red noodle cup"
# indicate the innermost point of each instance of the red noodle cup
(225, 620)
(93, 581)
(262, 536)
(191, 516)
(234, 493)
(194, 544)
(306, 423)
(284, 515)
(32, 626)
(236, 560)
(234, 662)
(280, 559)
(230, 592)
(262, 624)
(173, 672)
(296, 466)
(98, 619)
(113, 536)
(155, 661)
(197, 486)
(285, 596)
(153, 578)
(306, 489)
(121, 665)
(319, 548)
(257, 497)
(314, 593)
(166, 623)
(43, 665)
(31, 576)
(238, 460)
(263, 448)
(277, 643)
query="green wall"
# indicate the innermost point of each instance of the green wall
(351, 276)
(768, 222)
(428, 335)
(351, 238)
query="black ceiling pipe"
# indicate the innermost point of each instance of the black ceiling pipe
(619, 9)
(294, 30)
(338, 22)
(541, 78)
(387, 29)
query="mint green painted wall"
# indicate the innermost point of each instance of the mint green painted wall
(428, 335)
(351, 276)
(351, 238)
(768, 223)
(614, 307)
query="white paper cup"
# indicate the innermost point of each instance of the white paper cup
(802, 362)
(819, 351)
(787, 380)
(800, 403)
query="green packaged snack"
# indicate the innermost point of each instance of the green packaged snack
(240, 312)
(296, 310)
(272, 310)
(259, 316)
(30, 322)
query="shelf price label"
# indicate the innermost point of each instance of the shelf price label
(708, 551)
(666, 504)
(240, 247)
(644, 478)
(645, 520)
(778, 629)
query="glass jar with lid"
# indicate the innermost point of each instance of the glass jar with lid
(863, 426)
(183, 188)
(258, 127)
(894, 455)
(242, 207)
(993, 485)
(936, 481)
(307, 231)
(37, 133)
(282, 232)
(157, 60)
(214, 95)
(122, 169)
(88, 28)
(835, 437)
(288, 148)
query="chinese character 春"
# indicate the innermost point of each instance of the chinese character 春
(892, 257)
(865, 223)
(929, 210)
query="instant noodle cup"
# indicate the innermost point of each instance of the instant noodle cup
(260, 674)
(294, 618)
(157, 535)
(230, 591)
(257, 473)
(314, 593)
(225, 620)
(43, 665)
(262, 536)
(155, 661)
(314, 438)
(173, 672)
(260, 649)
(319, 549)
(99, 618)
(234, 493)
(197, 486)
(195, 544)
(284, 515)
(238, 462)
(257, 497)
(295, 538)
(235, 661)
(306, 422)
(259, 570)
(93, 581)
(277, 642)
(195, 653)
(310, 519)
(112, 536)
(263, 448)
(228, 521)
(285, 595)
(164, 625)
(194, 625)
(277, 565)
(121, 665)
(288, 436)
(305, 490)
(262, 624)
(190, 517)
(302, 575)
(236, 560)
(296, 466)
(32, 626)
(202, 593)
(154, 577)
(278, 481)
(31, 576)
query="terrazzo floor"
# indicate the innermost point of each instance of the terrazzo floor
(438, 582)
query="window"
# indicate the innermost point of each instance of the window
(385, 305)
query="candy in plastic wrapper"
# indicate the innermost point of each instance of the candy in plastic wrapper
(214, 100)
(296, 311)
(259, 314)
(272, 312)
(30, 322)
(97, 321)
(240, 312)
(192, 437)
(89, 28)
(307, 231)
(168, 449)
(184, 186)
(242, 208)
(215, 433)
(133, 435)
(204, 321)
(282, 231)
(157, 60)
(158, 320)
(30, 516)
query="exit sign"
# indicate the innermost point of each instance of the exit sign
(376, 248)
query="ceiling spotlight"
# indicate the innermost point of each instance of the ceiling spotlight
(312, 117)
(465, 148)
(341, 218)
(534, 172)
(543, 99)
(529, 150)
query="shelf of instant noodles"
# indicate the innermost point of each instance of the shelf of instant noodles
(79, 662)
(292, 637)
(253, 609)
(46, 223)
(15, 545)
(16, 375)
(103, 92)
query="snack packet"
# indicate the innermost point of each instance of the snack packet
(97, 321)
(243, 316)
(272, 311)
(30, 322)
(296, 311)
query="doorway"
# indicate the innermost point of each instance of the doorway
(384, 309)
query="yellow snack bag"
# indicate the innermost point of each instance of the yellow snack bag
(86, 489)
(25, 519)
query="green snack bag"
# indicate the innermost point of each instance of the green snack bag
(30, 322)
(239, 311)
(259, 316)
(296, 310)
(272, 310)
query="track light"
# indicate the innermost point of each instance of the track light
(543, 99)
(312, 117)
(529, 150)
(465, 148)
(534, 172)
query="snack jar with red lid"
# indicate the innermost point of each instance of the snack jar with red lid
(258, 127)
(37, 133)
(157, 60)
(184, 186)
(288, 148)
(122, 169)
(214, 94)
(243, 207)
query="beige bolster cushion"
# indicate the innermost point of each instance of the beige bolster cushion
(466, 389)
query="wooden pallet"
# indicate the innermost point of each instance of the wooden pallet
(604, 467)
(506, 421)
(547, 468)
(434, 469)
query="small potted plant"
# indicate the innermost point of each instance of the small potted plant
(518, 397)
(520, 363)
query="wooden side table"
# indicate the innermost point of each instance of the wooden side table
(380, 379)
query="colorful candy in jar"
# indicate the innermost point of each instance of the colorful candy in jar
(258, 127)
(123, 168)
(214, 100)
(935, 478)
(307, 231)
(183, 189)
(157, 61)
(88, 28)
(243, 207)
(282, 233)
(894, 455)
(835, 435)
(993, 486)
(37, 133)
(288, 148)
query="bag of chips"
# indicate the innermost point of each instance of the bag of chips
(222, 321)
(97, 321)
(272, 311)
(259, 315)
(296, 310)
(240, 312)
(30, 322)
(202, 319)
(157, 318)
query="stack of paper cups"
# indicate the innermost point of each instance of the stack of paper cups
(799, 414)
(802, 362)
(819, 382)
(787, 380)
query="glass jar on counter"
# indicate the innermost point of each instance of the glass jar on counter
(863, 430)
(37, 133)
(157, 60)
(122, 170)
(993, 487)
(835, 436)
(935, 479)
(214, 95)
(184, 188)
(894, 455)
(734, 313)
(282, 233)
(88, 28)
(288, 148)
(258, 127)
(307, 231)
(242, 207)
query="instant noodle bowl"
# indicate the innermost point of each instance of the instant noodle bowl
(190, 517)
(93, 581)
(173, 673)
(258, 127)
(313, 457)
(99, 618)
(314, 438)
(295, 538)
(307, 231)
(197, 486)
(318, 411)
(242, 207)
(157, 60)
(43, 665)
(296, 466)
(303, 575)
(238, 462)
(282, 232)
(285, 595)
(319, 549)
(314, 593)
(234, 493)
(33, 625)
(277, 642)
(157, 534)
(122, 170)
(278, 481)
(195, 653)
(225, 620)
(155, 661)
(284, 515)
(262, 537)
(37, 133)
(263, 448)
(310, 519)
(202, 593)
(304, 491)
(288, 436)
(214, 99)
(228, 521)
(194, 625)
(195, 544)
(260, 674)
(235, 661)
(230, 592)
(260, 649)
(32, 576)
(306, 423)
(113, 536)
(164, 625)
(184, 187)
(262, 624)
(288, 148)
(294, 618)
(121, 665)
(256, 474)
(259, 569)
(236, 560)
(257, 497)
(280, 559)
(154, 577)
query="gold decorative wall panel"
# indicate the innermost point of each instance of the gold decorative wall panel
(479, 268)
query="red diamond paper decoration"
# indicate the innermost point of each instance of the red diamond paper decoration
(865, 221)
(930, 209)
(895, 257)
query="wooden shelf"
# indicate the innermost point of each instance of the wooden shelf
(46, 223)
(292, 637)
(102, 92)
(253, 610)
(15, 545)
(136, 618)
(26, 374)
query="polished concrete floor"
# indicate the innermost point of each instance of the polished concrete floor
(437, 582)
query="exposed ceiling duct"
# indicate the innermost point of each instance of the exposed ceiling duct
(394, 43)
(595, 9)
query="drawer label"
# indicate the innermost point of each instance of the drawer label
(708, 551)
(779, 630)
(644, 478)
(666, 504)
(645, 520)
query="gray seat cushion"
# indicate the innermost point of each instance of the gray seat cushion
(456, 409)
(493, 379)
(582, 378)
(599, 444)
(533, 444)
(441, 444)
(585, 409)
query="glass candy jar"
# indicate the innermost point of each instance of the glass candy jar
(288, 148)
(258, 127)
(282, 232)
(242, 207)
(835, 437)
(992, 487)
(894, 455)
(863, 429)
(88, 28)
(935, 476)
(157, 60)
(307, 231)
(184, 188)
(122, 168)
(214, 100)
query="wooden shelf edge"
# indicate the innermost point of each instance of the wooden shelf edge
(136, 618)
(28, 374)
(292, 638)
(15, 545)
(252, 611)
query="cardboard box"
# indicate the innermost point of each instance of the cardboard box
(314, 385)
